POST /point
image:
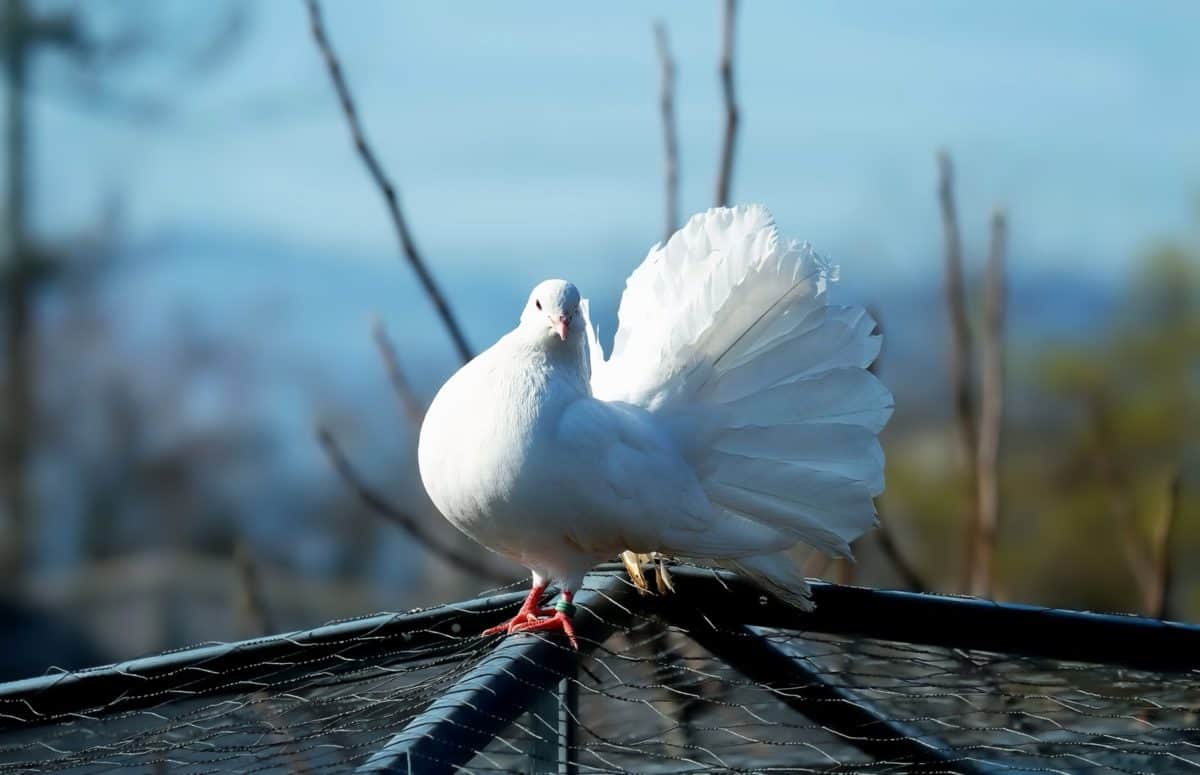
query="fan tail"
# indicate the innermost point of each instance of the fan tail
(727, 337)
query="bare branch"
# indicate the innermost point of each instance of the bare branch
(670, 136)
(405, 522)
(252, 602)
(891, 550)
(137, 36)
(19, 36)
(257, 622)
(816, 565)
(413, 407)
(991, 412)
(383, 183)
(725, 174)
(960, 354)
(1160, 596)
(1121, 509)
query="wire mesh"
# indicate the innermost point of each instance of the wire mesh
(651, 696)
(652, 700)
(307, 706)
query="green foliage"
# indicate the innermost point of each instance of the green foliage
(1140, 381)
(1085, 470)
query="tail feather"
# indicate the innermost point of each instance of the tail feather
(840, 449)
(845, 395)
(779, 574)
(840, 504)
(717, 280)
(844, 339)
(786, 518)
(798, 309)
(726, 334)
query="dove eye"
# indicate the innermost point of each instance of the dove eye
(537, 303)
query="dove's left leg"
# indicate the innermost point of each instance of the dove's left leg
(564, 609)
(532, 617)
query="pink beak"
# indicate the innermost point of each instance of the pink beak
(560, 326)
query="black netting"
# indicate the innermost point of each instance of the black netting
(326, 715)
(651, 697)
(653, 701)
(308, 706)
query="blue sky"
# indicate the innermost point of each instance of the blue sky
(525, 136)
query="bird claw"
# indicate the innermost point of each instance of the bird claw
(544, 620)
(523, 617)
(504, 628)
(559, 622)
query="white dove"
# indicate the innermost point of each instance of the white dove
(734, 421)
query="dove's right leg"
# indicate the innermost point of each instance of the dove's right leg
(532, 617)
(559, 621)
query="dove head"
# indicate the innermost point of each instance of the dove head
(552, 312)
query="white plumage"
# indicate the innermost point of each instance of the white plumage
(734, 420)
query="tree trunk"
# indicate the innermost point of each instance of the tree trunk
(18, 372)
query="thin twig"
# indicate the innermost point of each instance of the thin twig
(960, 354)
(891, 550)
(383, 183)
(1138, 554)
(405, 522)
(257, 622)
(1160, 598)
(991, 412)
(413, 408)
(252, 602)
(670, 138)
(725, 174)
(816, 565)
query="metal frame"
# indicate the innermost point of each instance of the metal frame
(140, 683)
(529, 674)
(948, 621)
(503, 686)
(856, 721)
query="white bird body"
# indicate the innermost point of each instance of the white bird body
(734, 421)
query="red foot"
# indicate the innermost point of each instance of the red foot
(559, 622)
(523, 617)
(534, 618)
(529, 610)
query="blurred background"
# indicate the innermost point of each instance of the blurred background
(202, 435)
